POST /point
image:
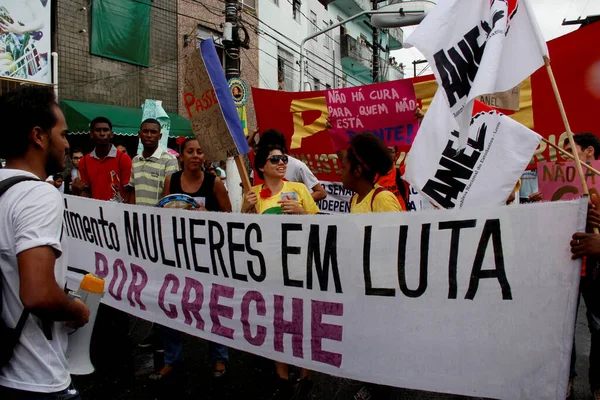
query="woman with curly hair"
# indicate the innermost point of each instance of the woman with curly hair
(364, 162)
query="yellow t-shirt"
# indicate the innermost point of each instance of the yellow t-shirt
(385, 201)
(296, 190)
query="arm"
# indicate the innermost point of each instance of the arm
(83, 186)
(251, 138)
(127, 179)
(222, 196)
(250, 201)
(319, 192)
(167, 186)
(39, 291)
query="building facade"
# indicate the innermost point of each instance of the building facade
(342, 57)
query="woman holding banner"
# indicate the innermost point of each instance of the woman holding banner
(211, 195)
(277, 196)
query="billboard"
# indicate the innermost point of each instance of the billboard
(25, 40)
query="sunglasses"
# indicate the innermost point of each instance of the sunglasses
(275, 159)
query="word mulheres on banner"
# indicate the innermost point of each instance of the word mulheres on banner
(329, 292)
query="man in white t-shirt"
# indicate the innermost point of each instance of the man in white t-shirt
(32, 263)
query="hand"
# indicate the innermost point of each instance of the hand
(419, 114)
(536, 197)
(254, 132)
(200, 208)
(250, 201)
(328, 123)
(83, 315)
(77, 185)
(7, 27)
(585, 244)
(593, 217)
(290, 206)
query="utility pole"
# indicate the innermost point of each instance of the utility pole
(375, 49)
(232, 48)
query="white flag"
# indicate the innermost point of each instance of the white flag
(477, 47)
(484, 172)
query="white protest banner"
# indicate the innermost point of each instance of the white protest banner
(447, 301)
(484, 173)
(210, 107)
(490, 46)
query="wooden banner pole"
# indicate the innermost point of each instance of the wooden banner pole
(563, 114)
(569, 155)
(246, 185)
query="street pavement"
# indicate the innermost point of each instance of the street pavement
(251, 377)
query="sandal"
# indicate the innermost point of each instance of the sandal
(162, 374)
(219, 372)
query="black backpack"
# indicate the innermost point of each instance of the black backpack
(9, 337)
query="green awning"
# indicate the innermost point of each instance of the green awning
(125, 120)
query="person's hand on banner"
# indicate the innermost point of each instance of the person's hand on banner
(585, 245)
(535, 197)
(593, 217)
(291, 206)
(250, 201)
(419, 114)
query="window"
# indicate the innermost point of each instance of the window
(121, 30)
(313, 23)
(296, 4)
(317, 84)
(251, 4)
(285, 70)
(327, 36)
(203, 33)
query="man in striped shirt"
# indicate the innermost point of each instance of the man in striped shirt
(151, 167)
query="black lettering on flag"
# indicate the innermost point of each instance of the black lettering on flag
(151, 257)
(233, 247)
(180, 241)
(133, 236)
(262, 272)
(449, 186)
(197, 240)
(163, 256)
(490, 229)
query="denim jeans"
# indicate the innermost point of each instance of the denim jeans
(174, 348)
(69, 393)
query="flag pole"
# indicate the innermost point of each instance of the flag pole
(563, 114)
(569, 155)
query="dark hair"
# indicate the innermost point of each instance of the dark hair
(21, 110)
(100, 120)
(57, 176)
(585, 140)
(262, 154)
(76, 150)
(186, 141)
(152, 121)
(273, 137)
(368, 151)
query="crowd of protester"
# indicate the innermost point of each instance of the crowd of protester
(31, 244)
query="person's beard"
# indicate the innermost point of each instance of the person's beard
(54, 162)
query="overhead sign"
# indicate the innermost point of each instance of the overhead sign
(385, 109)
(210, 106)
(25, 40)
(343, 296)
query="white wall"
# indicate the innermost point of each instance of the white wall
(278, 28)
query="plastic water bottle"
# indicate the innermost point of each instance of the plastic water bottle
(90, 292)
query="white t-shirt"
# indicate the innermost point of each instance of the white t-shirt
(297, 171)
(31, 216)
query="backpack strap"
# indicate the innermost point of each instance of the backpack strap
(4, 186)
(377, 191)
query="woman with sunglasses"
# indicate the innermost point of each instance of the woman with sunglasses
(277, 196)
(211, 195)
